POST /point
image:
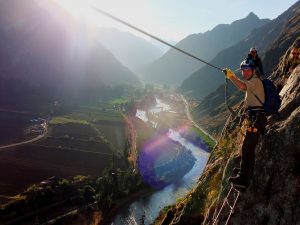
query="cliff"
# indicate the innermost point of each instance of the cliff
(273, 195)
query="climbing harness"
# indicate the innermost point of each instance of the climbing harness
(233, 192)
(154, 37)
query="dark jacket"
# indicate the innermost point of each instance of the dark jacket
(258, 64)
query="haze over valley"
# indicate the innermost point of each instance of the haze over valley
(102, 124)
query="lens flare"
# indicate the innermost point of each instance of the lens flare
(165, 159)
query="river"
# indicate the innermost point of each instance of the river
(148, 207)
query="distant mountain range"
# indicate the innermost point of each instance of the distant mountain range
(45, 54)
(174, 67)
(273, 41)
(132, 51)
(207, 79)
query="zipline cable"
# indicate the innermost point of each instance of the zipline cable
(154, 37)
(168, 44)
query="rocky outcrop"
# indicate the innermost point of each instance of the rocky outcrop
(273, 197)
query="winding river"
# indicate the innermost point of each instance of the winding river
(148, 207)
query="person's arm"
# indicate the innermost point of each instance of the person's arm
(238, 83)
(235, 80)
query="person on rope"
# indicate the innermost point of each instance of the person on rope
(253, 56)
(255, 118)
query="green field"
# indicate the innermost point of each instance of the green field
(99, 122)
(85, 141)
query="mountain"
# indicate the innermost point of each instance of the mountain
(207, 79)
(132, 51)
(211, 113)
(164, 48)
(267, 200)
(47, 55)
(273, 195)
(174, 67)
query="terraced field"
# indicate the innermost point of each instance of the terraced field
(23, 166)
(84, 142)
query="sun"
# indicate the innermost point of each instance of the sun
(135, 12)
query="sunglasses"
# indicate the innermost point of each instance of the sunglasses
(253, 51)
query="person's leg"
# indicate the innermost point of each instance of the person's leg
(248, 155)
(248, 151)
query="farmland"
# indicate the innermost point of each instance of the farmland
(85, 141)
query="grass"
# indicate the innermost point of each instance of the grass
(100, 122)
(205, 138)
(115, 133)
(119, 101)
(65, 120)
(105, 114)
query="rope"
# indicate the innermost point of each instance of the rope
(170, 45)
(232, 112)
(154, 37)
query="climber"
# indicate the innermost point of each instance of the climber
(255, 119)
(292, 62)
(253, 56)
(288, 68)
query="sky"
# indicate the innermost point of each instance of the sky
(172, 20)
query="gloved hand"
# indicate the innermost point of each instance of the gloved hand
(228, 73)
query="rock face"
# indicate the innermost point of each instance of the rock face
(273, 197)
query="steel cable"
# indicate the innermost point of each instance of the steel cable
(154, 37)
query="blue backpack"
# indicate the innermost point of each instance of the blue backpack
(272, 98)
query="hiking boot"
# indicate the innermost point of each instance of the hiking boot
(238, 182)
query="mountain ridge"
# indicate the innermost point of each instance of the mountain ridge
(132, 51)
(206, 80)
(273, 195)
(173, 67)
(42, 53)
